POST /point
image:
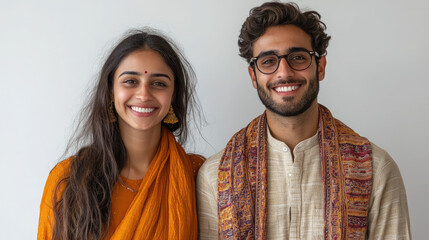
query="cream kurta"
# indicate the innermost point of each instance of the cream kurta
(295, 194)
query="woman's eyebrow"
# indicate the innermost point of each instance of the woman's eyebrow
(130, 73)
(160, 75)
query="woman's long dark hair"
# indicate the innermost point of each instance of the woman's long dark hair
(83, 209)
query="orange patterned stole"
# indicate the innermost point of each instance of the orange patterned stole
(346, 172)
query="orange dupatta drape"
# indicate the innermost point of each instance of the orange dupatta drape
(164, 207)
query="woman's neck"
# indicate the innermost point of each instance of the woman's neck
(141, 147)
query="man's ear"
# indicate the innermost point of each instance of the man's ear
(321, 67)
(252, 75)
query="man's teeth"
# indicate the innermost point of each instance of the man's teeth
(286, 89)
(142, 110)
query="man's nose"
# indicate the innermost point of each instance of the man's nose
(284, 70)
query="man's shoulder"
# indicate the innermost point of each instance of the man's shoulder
(383, 163)
(212, 162)
(210, 167)
(377, 151)
(217, 156)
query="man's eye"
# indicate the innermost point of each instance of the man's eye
(298, 57)
(268, 61)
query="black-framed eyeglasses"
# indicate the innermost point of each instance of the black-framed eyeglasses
(298, 60)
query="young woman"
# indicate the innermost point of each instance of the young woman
(131, 180)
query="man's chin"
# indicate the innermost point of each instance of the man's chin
(287, 111)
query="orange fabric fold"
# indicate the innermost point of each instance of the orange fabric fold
(163, 208)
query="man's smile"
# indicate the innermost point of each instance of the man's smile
(286, 88)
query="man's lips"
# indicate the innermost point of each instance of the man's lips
(286, 88)
(289, 82)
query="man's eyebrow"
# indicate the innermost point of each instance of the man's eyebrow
(289, 50)
(130, 73)
(266, 53)
(295, 49)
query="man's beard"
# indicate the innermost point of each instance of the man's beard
(287, 108)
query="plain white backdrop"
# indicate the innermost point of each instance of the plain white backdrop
(51, 52)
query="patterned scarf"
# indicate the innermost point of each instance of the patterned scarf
(346, 173)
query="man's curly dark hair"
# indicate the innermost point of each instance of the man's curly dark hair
(274, 14)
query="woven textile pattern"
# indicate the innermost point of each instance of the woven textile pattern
(346, 174)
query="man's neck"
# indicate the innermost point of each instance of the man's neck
(293, 130)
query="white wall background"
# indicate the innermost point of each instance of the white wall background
(51, 51)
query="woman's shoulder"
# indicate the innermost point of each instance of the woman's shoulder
(57, 174)
(196, 161)
(61, 170)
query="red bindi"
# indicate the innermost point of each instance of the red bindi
(145, 72)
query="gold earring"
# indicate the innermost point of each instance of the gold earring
(171, 117)
(112, 112)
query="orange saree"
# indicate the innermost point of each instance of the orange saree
(164, 206)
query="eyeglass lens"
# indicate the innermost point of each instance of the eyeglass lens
(298, 60)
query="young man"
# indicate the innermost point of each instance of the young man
(296, 172)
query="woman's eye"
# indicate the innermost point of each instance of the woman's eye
(159, 84)
(130, 82)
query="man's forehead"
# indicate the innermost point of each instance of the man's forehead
(281, 39)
